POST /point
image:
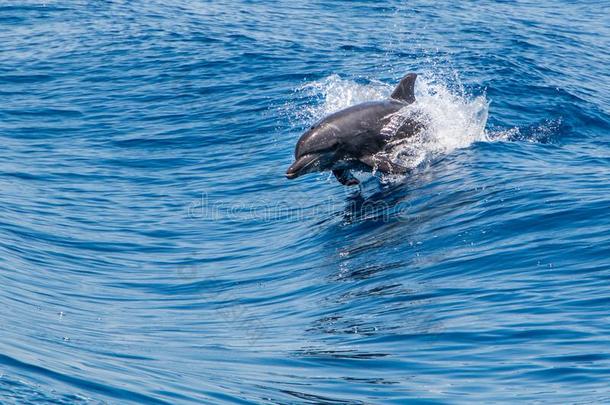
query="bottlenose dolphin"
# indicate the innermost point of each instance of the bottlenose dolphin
(358, 138)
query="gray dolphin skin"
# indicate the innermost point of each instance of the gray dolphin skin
(352, 139)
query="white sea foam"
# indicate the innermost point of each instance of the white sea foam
(541, 132)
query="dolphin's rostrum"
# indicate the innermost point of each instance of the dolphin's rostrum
(354, 138)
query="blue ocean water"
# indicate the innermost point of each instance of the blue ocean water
(151, 250)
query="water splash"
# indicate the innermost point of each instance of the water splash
(543, 132)
(334, 93)
(452, 118)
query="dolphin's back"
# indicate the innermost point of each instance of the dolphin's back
(367, 114)
(360, 126)
(353, 129)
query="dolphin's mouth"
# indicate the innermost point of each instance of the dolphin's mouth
(301, 165)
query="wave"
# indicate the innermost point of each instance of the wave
(453, 117)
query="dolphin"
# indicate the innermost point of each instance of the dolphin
(358, 138)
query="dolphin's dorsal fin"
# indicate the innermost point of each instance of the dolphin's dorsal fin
(405, 89)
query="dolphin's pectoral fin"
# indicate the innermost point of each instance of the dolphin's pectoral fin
(345, 177)
(405, 91)
(383, 164)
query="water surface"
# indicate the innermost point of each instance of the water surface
(151, 250)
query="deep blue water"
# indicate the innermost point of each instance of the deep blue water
(151, 250)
